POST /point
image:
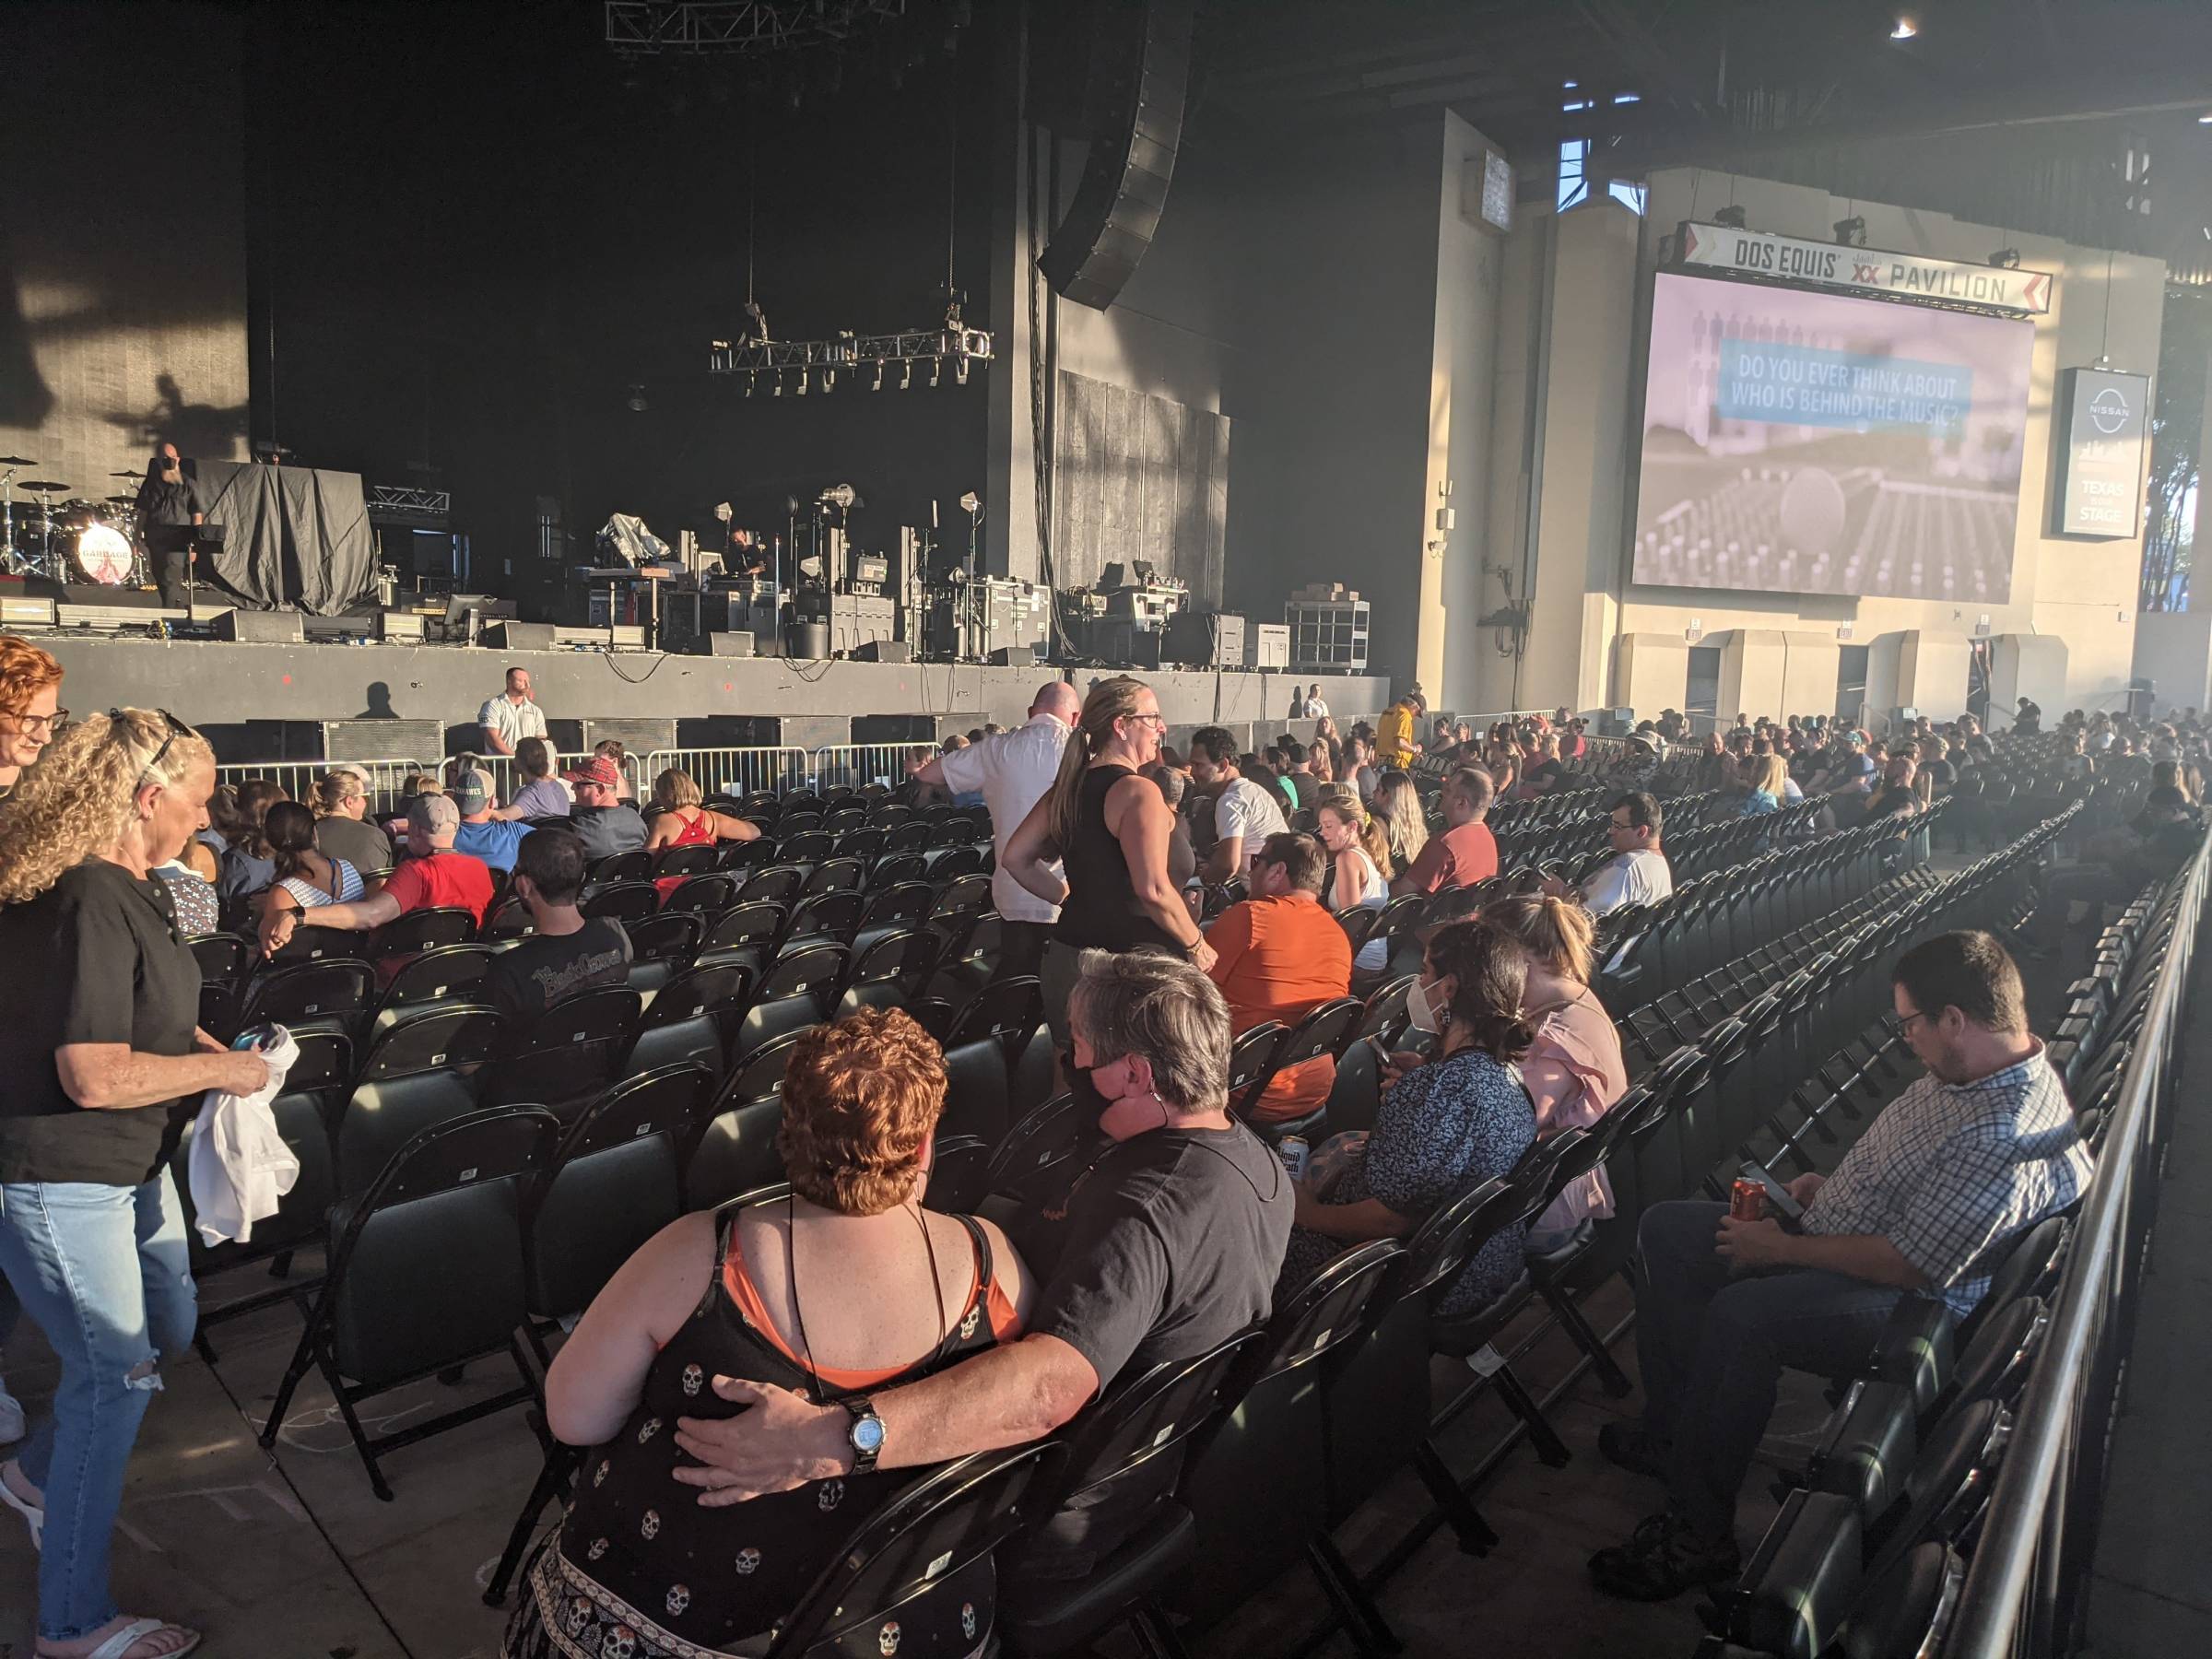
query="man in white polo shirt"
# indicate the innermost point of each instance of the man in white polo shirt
(1244, 814)
(511, 716)
(1011, 770)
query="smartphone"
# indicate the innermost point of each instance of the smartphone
(1785, 1209)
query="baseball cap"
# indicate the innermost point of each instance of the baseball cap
(471, 791)
(600, 769)
(432, 813)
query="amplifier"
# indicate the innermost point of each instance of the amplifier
(1214, 640)
(736, 644)
(1270, 645)
(261, 627)
(857, 619)
(398, 627)
(517, 636)
(383, 739)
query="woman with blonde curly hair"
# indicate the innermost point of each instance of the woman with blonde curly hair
(845, 1286)
(100, 1042)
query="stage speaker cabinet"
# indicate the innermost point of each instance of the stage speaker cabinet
(736, 643)
(1014, 656)
(1270, 645)
(1140, 71)
(1209, 640)
(517, 636)
(639, 736)
(383, 739)
(260, 627)
(884, 650)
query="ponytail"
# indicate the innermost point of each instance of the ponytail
(1109, 700)
(1557, 933)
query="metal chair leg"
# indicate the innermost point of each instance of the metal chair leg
(552, 1484)
(1550, 1449)
(1476, 1537)
(303, 1356)
(1156, 1636)
(1610, 1377)
(1363, 1620)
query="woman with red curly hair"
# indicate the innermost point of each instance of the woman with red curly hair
(845, 1286)
(30, 707)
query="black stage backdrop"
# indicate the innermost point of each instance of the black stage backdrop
(294, 538)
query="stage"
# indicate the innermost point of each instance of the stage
(263, 702)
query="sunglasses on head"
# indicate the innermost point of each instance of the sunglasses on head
(177, 728)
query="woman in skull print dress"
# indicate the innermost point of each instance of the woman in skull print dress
(846, 1287)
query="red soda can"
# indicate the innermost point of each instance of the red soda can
(1746, 1200)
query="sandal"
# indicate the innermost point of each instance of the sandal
(33, 1515)
(130, 1636)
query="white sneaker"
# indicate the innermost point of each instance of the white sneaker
(11, 1417)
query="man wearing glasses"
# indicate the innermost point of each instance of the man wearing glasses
(1638, 872)
(1925, 1204)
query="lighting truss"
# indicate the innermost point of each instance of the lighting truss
(820, 362)
(646, 28)
(403, 505)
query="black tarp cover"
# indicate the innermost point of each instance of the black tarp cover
(294, 538)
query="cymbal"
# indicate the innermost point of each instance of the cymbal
(119, 501)
(126, 474)
(44, 485)
(17, 461)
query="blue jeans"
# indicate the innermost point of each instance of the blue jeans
(1711, 1348)
(105, 1273)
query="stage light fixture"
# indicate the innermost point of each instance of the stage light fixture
(2005, 259)
(906, 376)
(937, 372)
(1731, 215)
(1904, 29)
(1851, 232)
(875, 384)
(971, 503)
(959, 371)
(638, 406)
(2206, 119)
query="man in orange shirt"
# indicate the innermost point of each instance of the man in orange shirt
(1277, 956)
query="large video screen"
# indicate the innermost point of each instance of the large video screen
(1808, 443)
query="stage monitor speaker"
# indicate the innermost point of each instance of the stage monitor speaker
(1204, 639)
(1269, 645)
(421, 740)
(1140, 73)
(738, 643)
(517, 636)
(810, 640)
(1014, 656)
(884, 650)
(260, 627)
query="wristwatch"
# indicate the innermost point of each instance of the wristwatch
(865, 1435)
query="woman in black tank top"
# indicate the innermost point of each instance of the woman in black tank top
(1110, 829)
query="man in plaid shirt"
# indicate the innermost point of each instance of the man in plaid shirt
(1925, 1204)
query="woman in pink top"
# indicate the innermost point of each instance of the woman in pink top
(1574, 1070)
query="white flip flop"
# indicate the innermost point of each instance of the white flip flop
(33, 1516)
(138, 1630)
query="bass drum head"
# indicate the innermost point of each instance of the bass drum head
(104, 556)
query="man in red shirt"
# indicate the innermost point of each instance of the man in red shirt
(1278, 956)
(434, 877)
(1464, 853)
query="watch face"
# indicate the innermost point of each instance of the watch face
(867, 1435)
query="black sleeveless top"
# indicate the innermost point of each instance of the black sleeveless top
(1101, 910)
(640, 1569)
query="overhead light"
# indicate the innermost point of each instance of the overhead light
(971, 503)
(1731, 216)
(1570, 86)
(1628, 97)
(1851, 232)
(638, 406)
(2005, 259)
(1904, 29)
(2206, 119)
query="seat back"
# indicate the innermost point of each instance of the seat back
(1800, 1582)
(923, 1557)
(417, 931)
(427, 1267)
(737, 1154)
(337, 990)
(1383, 1015)
(958, 1170)
(443, 1038)
(1006, 1009)
(624, 901)
(976, 1094)
(835, 913)
(810, 969)
(1033, 1161)
(780, 883)
(451, 972)
(633, 865)
(1251, 1055)
(615, 1180)
(570, 1049)
(684, 861)
(1325, 1029)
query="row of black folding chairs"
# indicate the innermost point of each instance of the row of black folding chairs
(1874, 1528)
(874, 846)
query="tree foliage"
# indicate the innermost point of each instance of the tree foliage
(2177, 428)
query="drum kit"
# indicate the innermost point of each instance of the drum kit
(72, 539)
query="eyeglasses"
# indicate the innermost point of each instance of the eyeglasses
(1904, 1021)
(117, 726)
(1157, 722)
(52, 724)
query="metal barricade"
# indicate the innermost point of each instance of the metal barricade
(856, 765)
(298, 777)
(729, 771)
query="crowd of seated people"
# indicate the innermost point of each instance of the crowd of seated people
(746, 1386)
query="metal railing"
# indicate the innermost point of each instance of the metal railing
(734, 771)
(2023, 1592)
(856, 765)
(298, 777)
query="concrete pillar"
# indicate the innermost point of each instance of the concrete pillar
(1810, 662)
(1752, 672)
(2174, 650)
(2031, 665)
(1651, 672)
(1932, 672)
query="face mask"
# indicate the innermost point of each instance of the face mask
(1426, 1016)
